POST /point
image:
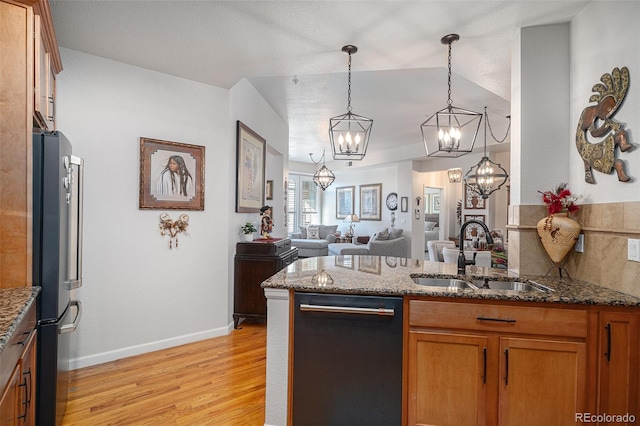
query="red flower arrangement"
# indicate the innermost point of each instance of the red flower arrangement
(560, 200)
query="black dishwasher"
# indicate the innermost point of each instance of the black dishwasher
(347, 360)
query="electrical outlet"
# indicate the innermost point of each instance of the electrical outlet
(633, 250)
(580, 244)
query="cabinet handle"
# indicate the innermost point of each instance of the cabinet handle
(484, 367)
(25, 401)
(347, 310)
(506, 364)
(508, 320)
(608, 353)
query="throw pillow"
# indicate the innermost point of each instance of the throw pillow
(331, 238)
(395, 233)
(303, 232)
(313, 233)
(428, 226)
(383, 235)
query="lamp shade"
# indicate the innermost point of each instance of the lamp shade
(352, 218)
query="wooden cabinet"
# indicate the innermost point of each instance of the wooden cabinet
(255, 262)
(44, 80)
(17, 117)
(18, 366)
(619, 359)
(475, 364)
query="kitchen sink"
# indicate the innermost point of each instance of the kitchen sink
(448, 283)
(515, 286)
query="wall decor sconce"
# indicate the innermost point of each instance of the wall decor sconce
(455, 175)
(173, 227)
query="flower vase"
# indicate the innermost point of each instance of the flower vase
(558, 234)
(248, 237)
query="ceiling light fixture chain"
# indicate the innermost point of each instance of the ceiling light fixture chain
(449, 100)
(349, 84)
(488, 123)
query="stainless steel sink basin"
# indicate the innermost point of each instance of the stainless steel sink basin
(515, 286)
(444, 283)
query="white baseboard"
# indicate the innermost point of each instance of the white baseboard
(103, 357)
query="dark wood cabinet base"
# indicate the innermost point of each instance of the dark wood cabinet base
(255, 262)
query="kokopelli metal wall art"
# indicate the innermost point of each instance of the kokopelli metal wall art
(597, 121)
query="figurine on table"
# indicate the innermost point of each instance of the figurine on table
(266, 225)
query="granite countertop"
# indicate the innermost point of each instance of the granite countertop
(390, 276)
(14, 303)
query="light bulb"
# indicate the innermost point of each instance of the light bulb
(357, 138)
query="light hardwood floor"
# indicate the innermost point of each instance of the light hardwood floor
(218, 381)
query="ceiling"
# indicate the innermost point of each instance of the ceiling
(291, 52)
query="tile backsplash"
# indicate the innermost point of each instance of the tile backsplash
(606, 228)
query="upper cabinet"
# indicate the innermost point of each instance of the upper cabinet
(47, 65)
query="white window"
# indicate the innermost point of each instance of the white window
(303, 202)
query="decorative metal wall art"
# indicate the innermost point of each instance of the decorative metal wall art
(173, 227)
(597, 120)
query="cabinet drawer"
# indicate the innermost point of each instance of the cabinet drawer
(15, 346)
(499, 318)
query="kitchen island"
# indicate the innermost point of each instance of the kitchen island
(575, 319)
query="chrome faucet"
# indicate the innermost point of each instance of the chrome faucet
(462, 261)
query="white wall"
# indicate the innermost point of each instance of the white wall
(138, 295)
(387, 175)
(595, 52)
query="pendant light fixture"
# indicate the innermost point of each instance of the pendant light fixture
(323, 177)
(455, 175)
(450, 132)
(487, 177)
(349, 133)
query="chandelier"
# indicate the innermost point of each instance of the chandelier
(487, 177)
(323, 177)
(442, 132)
(349, 133)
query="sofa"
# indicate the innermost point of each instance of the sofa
(383, 243)
(314, 240)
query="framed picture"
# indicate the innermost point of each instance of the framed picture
(371, 202)
(404, 204)
(171, 175)
(468, 231)
(250, 170)
(269, 190)
(472, 199)
(435, 203)
(344, 201)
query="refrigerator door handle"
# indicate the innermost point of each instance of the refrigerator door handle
(70, 328)
(73, 284)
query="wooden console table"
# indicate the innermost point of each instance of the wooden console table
(256, 261)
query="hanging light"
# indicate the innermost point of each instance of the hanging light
(349, 133)
(455, 175)
(323, 177)
(487, 177)
(450, 132)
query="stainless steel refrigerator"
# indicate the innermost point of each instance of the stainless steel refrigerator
(57, 266)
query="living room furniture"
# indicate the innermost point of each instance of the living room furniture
(482, 257)
(435, 248)
(396, 247)
(256, 261)
(310, 247)
(431, 228)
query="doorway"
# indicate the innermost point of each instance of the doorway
(432, 215)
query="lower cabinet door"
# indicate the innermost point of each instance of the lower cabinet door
(447, 379)
(619, 357)
(542, 382)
